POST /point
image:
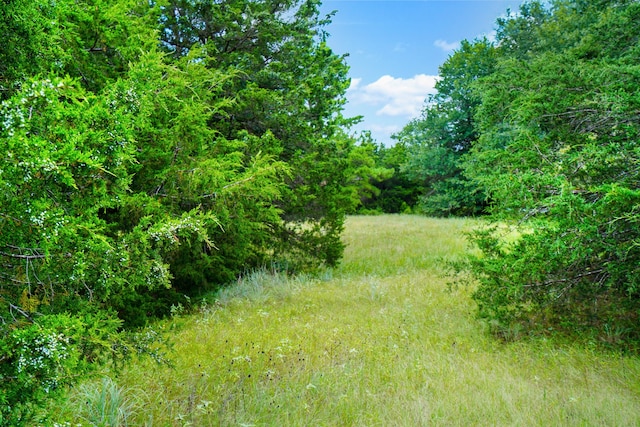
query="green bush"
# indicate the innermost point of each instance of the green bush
(558, 154)
(40, 359)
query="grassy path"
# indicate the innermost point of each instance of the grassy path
(380, 341)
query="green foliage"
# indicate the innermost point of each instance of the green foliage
(39, 359)
(438, 140)
(521, 34)
(91, 40)
(558, 152)
(185, 167)
(389, 190)
(152, 151)
(27, 48)
(100, 38)
(366, 171)
(288, 87)
(65, 159)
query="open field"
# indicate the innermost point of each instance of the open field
(379, 341)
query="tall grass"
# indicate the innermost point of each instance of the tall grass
(100, 403)
(379, 341)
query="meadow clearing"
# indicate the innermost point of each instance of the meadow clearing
(380, 341)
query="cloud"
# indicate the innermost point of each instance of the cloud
(446, 46)
(394, 96)
(355, 83)
(386, 130)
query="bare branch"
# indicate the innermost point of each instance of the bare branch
(20, 256)
(21, 311)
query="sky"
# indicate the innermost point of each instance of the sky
(394, 50)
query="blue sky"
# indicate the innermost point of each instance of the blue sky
(395, 48)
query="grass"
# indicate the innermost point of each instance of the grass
(379, 341)
(104, 403)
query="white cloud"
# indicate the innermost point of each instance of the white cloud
(386, 130)
(491, 36)
(446, 46)
(354, 84)
(394, 96)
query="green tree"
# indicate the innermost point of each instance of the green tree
(184, 165)
(439, 139)
(394, 191)
(366, 171)
(29, 42)
(155, 169)
(92, 40)
(558, 153)
(64, 160)
(522, 34)
(289, 85)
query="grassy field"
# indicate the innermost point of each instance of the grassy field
(379, 341)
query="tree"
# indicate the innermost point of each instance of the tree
(394, 192)
(288, 84)
(65, 157)
(136, 171)
(27, 46)
(439, 139)
(184, 165)
(366, 170)
(522, 34)
(558, 153)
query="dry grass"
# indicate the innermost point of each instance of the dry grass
(380, 341)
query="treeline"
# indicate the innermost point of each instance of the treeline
(150, 152)
(541, 129)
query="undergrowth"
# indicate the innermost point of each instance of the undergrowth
(381, 340)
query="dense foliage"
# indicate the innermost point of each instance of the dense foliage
(541, 129)
(151, 151)
(383, 186)
(438, 140)
(557, 154)
(394, 191)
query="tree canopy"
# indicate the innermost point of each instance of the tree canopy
(438, 140)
